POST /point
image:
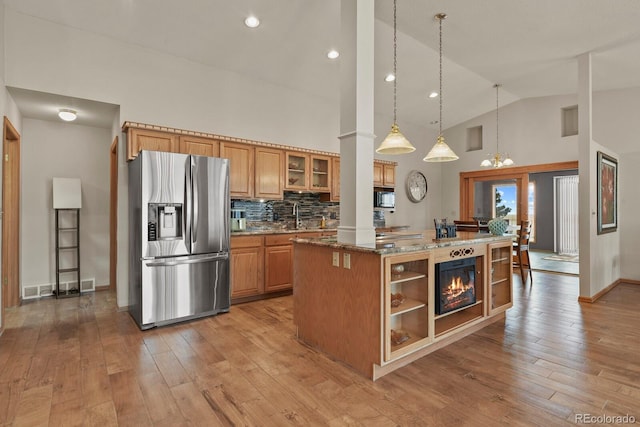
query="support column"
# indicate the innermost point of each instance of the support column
(586, 185)
(356, 122)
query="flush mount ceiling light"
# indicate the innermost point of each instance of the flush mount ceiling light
(433, 95)
(251, 21)
(497, 160)
(333, 54)
(390, 77)
(395, 142)
(67, 115)
(440, 151)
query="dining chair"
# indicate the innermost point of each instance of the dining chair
(521, 257)
(472, 226)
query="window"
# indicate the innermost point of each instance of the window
(532, 210)
(505, 204)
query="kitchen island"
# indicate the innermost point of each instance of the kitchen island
(381, 306)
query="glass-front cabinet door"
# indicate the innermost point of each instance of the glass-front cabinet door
(297, 171)
(321, 171)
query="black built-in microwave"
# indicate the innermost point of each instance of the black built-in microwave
(384, 199)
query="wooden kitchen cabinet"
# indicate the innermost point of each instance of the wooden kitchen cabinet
(320, 180)
(278, 262)
(378, 174)
(388, 175)
(297, 171)
(500, 292)
(335, 179)
(152, 140)
(407, 298)
(269, 173)
(384, 175)
(199, 146)
(241, 168)
(247, 266)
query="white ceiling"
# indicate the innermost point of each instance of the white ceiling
(529, 46)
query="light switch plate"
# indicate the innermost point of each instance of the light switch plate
(347, 261)
(336, 259)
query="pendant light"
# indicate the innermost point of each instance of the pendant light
(440, 151)
(497, 160)
(395, 142)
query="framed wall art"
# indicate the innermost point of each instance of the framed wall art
(607, 193)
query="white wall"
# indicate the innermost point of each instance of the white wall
(629, 206)
(63, 150)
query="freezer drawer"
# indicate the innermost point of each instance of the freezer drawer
(181, 288)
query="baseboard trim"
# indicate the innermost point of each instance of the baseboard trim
(606, 290)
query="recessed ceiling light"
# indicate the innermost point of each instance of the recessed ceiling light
(67, 115)
(333, 54)
(433, 95)
(390, 77)
(433, 122)
(251, 21)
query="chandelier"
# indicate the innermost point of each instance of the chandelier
(395, 142)
(440, 152)
(498, 159)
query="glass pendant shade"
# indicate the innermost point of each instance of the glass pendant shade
(395, 143)
(441, 152)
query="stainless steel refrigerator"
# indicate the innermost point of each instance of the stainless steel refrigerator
(179, 210)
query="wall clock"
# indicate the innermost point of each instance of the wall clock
(416, 186)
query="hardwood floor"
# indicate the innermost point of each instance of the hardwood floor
(78, 361)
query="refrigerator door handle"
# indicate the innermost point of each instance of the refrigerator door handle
(187, 202)
(195, 196)
(168, 262)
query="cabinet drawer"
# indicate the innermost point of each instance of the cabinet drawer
(245, 241)
(278, 239)
(310, 235)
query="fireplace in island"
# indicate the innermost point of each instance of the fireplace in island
(455, 284)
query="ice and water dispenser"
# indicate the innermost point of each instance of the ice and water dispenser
(165, 221)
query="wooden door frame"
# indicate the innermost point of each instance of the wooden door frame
(10, 291)
(519, 173)
(113, 214)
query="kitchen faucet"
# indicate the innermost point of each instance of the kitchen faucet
(296, 212)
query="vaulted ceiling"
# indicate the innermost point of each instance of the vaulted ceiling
(528, 46)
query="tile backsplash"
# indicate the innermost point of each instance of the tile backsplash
(311, 210)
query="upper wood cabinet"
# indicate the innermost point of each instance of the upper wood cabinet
(152, 140)
(320, 179)
(199, 146)
(297, 171)
(335, 179)
(384, 175)
(378, 174)
(241, 168)
(269, 174)
(388, 175)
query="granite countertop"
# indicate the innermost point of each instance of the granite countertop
(406, 242)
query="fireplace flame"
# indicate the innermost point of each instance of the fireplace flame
(457, 287)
